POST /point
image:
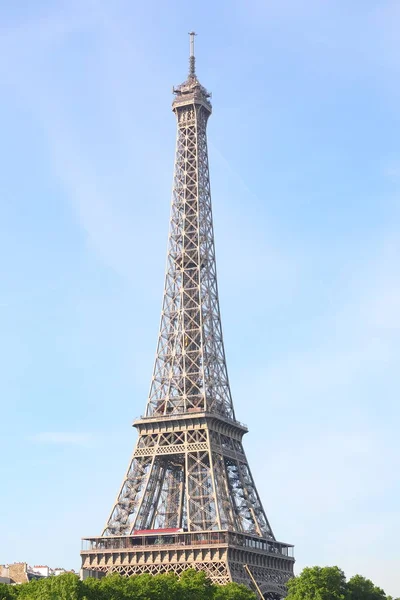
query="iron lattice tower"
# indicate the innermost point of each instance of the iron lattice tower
(188, 498)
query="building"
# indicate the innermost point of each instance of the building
(23, 573)
(19, 572)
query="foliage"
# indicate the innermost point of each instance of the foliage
(318, 583)
(7, 592)
(329, 583)
(62, 587)
(360, 588)
(192, 585)
(314, 583)
(196, 586)
(233, 591)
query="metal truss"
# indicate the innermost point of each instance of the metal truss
(190, 370)
(189, 469)
(216, 571)
(186, 474)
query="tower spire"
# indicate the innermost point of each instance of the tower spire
(192, 60)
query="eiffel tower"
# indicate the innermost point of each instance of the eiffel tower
(188, 498)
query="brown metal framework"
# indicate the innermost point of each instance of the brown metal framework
(189, 470)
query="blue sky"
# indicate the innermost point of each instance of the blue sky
(305, 168)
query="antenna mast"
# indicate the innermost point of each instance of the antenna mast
(192, 60)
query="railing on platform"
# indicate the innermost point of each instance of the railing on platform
(148, 540)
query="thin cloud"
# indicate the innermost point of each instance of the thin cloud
(63, 438)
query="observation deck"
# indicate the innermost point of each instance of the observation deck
(191, 92)
(190, 418)
(150, 539)
(211, 551)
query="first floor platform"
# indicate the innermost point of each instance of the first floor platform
(262, 564)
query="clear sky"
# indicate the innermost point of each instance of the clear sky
(305, 169)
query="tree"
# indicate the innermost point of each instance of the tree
(318, 583)
(315, 583)
(195, 585)
(360, 588)
(233, 591)
(62, 587)
(113, 587)
(152, 587)
(7, 592)
(92, 589)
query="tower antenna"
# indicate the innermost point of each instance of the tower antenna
(192, 60)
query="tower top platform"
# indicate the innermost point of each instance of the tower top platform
(191, 91)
